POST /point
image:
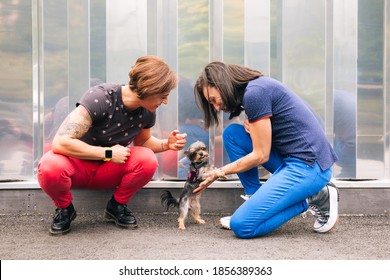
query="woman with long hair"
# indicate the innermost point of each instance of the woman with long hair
(280, 133)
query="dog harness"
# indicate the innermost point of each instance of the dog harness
(193, 173)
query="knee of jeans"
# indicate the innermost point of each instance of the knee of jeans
(240, 229)
(243, 229)
(152, 165)
(51, 174)
(152, 161)
(230, 130)
(230, 134)
(147, 159)
(50, 165)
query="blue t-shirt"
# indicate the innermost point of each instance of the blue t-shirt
(296, 132)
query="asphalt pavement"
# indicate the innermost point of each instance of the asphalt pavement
(94, 249)
(92, 237)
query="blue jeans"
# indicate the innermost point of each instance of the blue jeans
(281, 197)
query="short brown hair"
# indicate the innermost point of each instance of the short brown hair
(150, 75)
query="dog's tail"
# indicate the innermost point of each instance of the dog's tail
(168, 201)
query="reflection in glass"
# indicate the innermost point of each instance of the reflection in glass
(55, 67)
(79, 43)
(370, 109)
(344, 84)
(193, 51)
(16, 104)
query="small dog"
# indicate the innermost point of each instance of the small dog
(198, 154)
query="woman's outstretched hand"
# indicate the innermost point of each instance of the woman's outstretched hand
(208, 178)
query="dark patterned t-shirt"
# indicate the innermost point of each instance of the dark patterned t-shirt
(112, 123)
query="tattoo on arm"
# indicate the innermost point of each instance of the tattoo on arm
(235, 164)
(76, 124)
(238, 163)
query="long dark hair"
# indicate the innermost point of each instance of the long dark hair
(230, 80)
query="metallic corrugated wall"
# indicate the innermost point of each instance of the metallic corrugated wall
(332, 53)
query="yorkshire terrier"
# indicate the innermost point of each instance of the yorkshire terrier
(198, 155)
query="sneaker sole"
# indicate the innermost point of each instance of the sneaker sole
(59, 232)
(112, 218)
(333, 210)
(224, 226)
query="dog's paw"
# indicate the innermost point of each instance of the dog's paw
(200, 221)
(181, 224)
(182, 227)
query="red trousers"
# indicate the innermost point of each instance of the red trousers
(57, 174)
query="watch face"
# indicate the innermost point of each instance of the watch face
(108, 154)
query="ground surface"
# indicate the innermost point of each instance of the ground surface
(26, 237)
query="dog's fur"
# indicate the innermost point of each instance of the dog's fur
(198, 154)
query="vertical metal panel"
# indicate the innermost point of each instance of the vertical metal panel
(79, 55)
(386, 98)
(216, 53)
(152, 41)
(167, 45)
(370, 108)
(344, 86)
(216, 29)
(152, 26)
(193, 37)
(53, 66)
(16, 87)
(304, 45)
(233, 31)
(98, 41)
(276, 40)
(332, 53)
(167, 49)
(257, 35)
(233, 52)
(37, 82)
(329, 72)
(126, 37)
(193, 55)
(257, 42)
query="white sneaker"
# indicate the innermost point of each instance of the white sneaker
(324, 205)
(225, 221)
(246, 196)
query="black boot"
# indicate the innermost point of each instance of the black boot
(62, 219)
(120, 214)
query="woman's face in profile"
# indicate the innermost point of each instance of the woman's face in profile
(213, 96)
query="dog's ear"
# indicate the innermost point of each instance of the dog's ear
(190, 153)
(191, 149)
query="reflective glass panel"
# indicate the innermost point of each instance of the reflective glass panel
(16, 100)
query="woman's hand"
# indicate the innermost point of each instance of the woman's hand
(209, 178)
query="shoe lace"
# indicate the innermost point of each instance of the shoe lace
(127, 210)
(124, 210)
(316, 211)
(58, 214)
